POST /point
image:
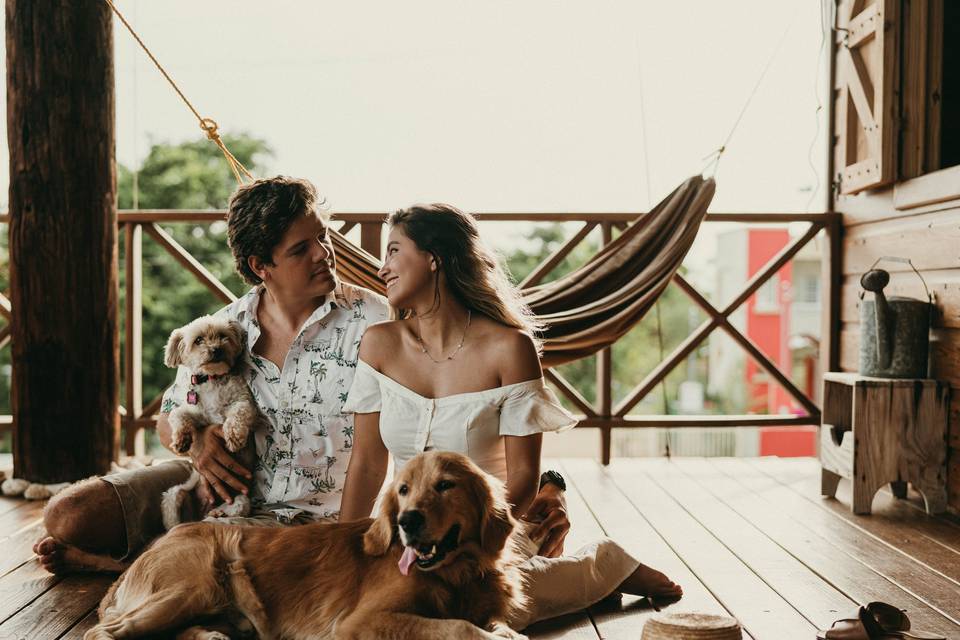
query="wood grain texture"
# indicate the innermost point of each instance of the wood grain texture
(830, 549)
(621, 521)
(932, 541)
(63, 238)
(897, 568)
(760, 609)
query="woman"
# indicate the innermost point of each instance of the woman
(460, 371)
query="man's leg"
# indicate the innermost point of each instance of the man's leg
(100, 524)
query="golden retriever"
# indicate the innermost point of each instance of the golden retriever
(442, 517)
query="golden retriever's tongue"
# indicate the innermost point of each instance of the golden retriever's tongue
(407, 559)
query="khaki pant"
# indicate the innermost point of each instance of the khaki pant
(558, 586)
(141, 490)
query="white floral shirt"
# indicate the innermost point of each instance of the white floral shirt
(302, 458)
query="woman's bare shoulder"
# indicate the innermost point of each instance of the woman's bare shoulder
(517, 356)
(379, 339)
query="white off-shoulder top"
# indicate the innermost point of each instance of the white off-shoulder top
(469, 423)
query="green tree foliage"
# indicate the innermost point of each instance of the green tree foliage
(190, 175)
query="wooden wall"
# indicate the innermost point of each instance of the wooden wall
(930, 236)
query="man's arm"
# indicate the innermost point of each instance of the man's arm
(219, 470)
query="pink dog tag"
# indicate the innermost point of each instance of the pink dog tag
(192, 397)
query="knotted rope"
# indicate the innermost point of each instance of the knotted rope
(209, 125)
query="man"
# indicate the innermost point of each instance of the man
(303, 329)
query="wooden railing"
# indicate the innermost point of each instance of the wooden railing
(135, 415)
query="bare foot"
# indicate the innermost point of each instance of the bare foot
(646, 581)
(62, 559)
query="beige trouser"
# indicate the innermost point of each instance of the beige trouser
(557, 586)
(141, 490)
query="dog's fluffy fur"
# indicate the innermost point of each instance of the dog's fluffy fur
(337, 580)
(210, 346)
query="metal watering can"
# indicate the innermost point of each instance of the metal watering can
(895, 331)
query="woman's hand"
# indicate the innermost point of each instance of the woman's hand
(218, 467)
(549, 509)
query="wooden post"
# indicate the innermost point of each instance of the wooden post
(370, 238)
(605, 381)
(63, 238)
(134, 443)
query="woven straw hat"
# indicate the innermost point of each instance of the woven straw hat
(691, 626)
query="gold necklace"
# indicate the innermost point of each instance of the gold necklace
(423, 347)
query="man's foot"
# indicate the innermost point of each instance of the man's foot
(62, 559)
(646, 581)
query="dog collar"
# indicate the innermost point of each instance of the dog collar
(200, 378)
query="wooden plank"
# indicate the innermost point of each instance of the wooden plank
(191, 264)
(931, 188)
(936, 590)
(761, 611)
(930, 240)
(26, 513)
(133, 332)
(569, 391)
(59, 609)
(602, 491)
(761, 499)
(84, 625)
(22, 586)
(932, 541)
(583, 528)
(18, 547)
(10, 504)
(913, 90)
(687, 479)
(575, 626)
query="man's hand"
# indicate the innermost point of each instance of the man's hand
(218, 467)
(549, 508)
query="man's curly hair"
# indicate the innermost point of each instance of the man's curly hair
(260, 214)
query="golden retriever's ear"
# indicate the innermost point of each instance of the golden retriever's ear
(174, 351)
(378, 537)
(497, 523)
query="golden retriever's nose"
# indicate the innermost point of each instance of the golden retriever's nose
(411, 522)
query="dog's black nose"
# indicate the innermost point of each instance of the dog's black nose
(217, 353)
(411, 522)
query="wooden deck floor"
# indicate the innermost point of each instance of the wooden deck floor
(747, 537)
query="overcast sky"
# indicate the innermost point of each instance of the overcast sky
(494, 105)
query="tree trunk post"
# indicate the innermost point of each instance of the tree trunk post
(63, 238)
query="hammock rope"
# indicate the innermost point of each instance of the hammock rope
(209, 125)
(589, 309)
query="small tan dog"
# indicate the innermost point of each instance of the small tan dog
(212, 349)
(347, 581)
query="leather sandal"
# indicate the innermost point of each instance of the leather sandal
(876, 621)
(894, 622)
(863, 626)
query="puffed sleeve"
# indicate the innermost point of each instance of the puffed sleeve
(364, 394)
(532, 407)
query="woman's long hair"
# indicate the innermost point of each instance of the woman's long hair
(473, 274)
